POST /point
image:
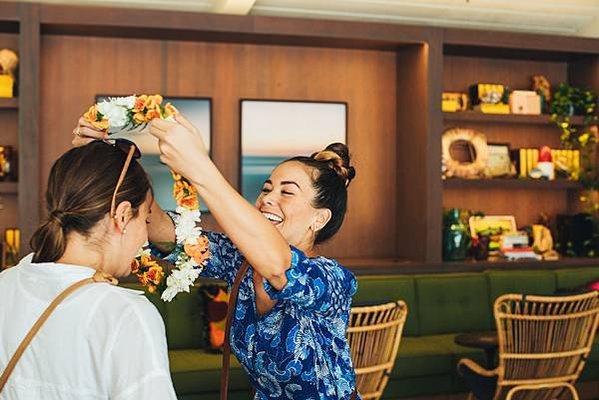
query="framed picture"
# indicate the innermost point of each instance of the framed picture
(493, 226)
(499, 162)
(274, 130)
(199, 112)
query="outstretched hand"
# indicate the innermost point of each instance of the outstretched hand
(181, 146)
(85, 133)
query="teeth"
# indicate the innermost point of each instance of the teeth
(272, 217)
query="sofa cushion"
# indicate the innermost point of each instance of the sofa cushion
(385, 288)
(449, 303)
(574, 278)
(540, 282)
(196, 371)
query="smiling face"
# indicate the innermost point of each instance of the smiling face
(287, 202)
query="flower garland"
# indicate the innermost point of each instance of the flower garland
(192, 252)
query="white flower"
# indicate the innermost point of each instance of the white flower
(116, 115)
(179, 281)
(126, 102)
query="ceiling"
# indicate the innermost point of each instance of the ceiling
(562, 17)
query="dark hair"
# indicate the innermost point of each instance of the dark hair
(80, 188)
(333, 175)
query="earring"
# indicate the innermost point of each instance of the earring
(124, 231)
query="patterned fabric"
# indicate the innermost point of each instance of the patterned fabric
(298, 350)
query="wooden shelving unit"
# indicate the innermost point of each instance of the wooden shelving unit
(8, 188)
(9, 104)
(558, 184)
(473, 116)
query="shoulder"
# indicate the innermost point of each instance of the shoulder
(128, 305)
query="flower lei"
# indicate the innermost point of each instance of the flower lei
(127, 113)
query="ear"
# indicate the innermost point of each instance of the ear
(122, 215)
(323, 216)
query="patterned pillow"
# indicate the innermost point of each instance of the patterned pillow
(215, 298)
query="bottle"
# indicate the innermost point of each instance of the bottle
(455, 237)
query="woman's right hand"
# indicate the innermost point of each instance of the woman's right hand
(85, 132)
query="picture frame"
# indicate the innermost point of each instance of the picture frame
(505, 223)
(499, 161)
(275, 130)
(198, 110)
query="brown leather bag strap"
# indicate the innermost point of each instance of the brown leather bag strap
(98, 277)
(224, 378)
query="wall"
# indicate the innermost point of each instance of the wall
(75, 69)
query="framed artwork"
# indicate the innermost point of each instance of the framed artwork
(275, 130)
(499, 162)
(199, 112)
(493, 226)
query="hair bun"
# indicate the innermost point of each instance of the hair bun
(337, 155)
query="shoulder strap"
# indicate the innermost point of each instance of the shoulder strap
(224, 378)
(98, 277)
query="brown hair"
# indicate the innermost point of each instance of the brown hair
(334, 174)
(80, 188)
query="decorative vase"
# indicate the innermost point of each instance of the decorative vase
(455, 237)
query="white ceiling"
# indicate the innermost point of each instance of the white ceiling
(563, 17)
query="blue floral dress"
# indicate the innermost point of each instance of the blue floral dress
(298, 350)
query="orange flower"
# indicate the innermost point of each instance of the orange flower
(152, 289)
(199, 251)
(153, 102)
(140, 103)
(92, 114)
(134, 266)
(139, 118)
(185, 195)
(153, 113)
(102, 125)
(170, 109)
(142, 279)
(147, 262)
(155, 275)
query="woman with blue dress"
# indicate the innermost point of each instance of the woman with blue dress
(289, 325)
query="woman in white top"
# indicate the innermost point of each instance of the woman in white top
(103, 341)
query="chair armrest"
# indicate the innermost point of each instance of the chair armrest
(468, 363)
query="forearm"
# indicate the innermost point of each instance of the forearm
(257, 239)
(161, 231)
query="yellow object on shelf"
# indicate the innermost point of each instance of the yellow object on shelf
(7, 84)
(523, 164)
(500, 108)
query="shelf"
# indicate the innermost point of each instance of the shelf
(389, 266)
(473, 116)
(8, 188)
(9, 104)
(510, 184)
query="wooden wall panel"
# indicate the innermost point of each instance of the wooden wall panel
(363, 79)
(75, 69)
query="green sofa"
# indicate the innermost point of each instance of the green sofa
(440, 307)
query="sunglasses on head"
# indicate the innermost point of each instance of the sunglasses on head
(132, 151)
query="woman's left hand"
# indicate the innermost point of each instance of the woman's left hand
(181, 146)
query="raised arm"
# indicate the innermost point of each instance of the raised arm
(258, 240)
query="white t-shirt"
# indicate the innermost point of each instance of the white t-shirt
(102, 342)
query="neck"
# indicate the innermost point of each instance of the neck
(80, 251)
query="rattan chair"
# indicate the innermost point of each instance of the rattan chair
(543, 345)
(374, 334)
